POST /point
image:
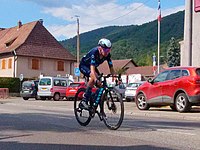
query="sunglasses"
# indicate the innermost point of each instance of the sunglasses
(106, 50)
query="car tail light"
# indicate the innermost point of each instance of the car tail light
(51, 90)
(195, 80)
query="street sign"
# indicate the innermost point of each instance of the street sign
(21, 77)
(77, 72)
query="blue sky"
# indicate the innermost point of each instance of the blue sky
(58, 15)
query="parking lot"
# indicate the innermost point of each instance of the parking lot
(130, 108)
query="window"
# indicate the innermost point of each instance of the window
(174, 74)
(3, 64)
(63, 82)
(35, 64)
(60, 66)
(57, 82)
(197, 5)
(10, 63)
(185, 73)
(45, 81)
(161, 77)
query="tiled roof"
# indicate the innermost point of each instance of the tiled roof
(32, 39)
(143, 70)
(118, 64)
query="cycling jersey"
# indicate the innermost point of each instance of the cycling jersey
(93, 58)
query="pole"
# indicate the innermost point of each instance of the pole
(159, 19)
(78, 43)
(158, 46)
(190, 6)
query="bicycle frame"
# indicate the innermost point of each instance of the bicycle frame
(110, 104)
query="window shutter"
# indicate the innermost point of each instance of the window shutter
(9, 63)
(60, 66)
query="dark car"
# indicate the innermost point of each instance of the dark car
(29, 89)
(177, 87)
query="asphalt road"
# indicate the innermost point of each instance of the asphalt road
(50, 125)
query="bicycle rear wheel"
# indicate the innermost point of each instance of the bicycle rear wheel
(112, 109)
(82, 116)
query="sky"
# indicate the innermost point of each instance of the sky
(60, 16)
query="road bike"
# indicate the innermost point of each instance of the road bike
(106, 102)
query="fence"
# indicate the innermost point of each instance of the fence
(4, 93)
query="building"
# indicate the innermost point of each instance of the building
(130, 68)
(124, 64)
(190, 47)
(29, 49)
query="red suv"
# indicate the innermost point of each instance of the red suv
(177, 87)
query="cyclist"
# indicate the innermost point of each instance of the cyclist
(90, 62)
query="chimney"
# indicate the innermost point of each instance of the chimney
(41, 21)
(19, 24)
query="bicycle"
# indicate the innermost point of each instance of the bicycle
(111, 106)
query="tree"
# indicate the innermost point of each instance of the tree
(173, 53)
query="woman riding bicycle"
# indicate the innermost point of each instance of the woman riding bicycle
(90, 62)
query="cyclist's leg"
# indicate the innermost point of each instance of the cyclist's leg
(86, 71)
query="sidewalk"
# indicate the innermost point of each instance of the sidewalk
(162, 112)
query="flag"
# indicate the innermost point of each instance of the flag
(159, 11)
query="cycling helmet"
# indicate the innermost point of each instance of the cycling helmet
(105, 43)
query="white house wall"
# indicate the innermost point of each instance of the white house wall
(6, 72)
(196, 39)
(195, 51)
(47, 67)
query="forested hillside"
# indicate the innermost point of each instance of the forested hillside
(134, 41)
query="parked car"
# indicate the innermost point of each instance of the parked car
(29, 89)
(178, 87)
(53, 87)
(131, 90)
(120, 88)
(74, 87)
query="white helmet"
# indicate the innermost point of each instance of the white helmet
(105, 43)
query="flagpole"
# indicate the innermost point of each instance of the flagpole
(159, 19)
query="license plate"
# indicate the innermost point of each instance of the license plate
(44, 88)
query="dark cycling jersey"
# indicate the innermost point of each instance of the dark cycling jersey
(93, 58)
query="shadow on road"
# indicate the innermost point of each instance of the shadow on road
(38, 146)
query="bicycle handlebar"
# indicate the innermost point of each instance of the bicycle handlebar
(109, 75)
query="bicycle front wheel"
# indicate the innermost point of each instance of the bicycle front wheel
(82, 116)
(112, 109)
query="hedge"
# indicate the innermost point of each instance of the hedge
(13, 84)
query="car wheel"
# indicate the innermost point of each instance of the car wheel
(141, 102)
(182, 103)
(25, 98)
(56, 97)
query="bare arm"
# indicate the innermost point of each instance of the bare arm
(112, 71)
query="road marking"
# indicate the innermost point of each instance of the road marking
(176, 132)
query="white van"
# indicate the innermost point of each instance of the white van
(53, 87)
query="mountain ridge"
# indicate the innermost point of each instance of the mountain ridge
(137, 42)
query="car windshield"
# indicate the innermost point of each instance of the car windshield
(27, 84)
(75, 84)
(134, 84)
(45, 81)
